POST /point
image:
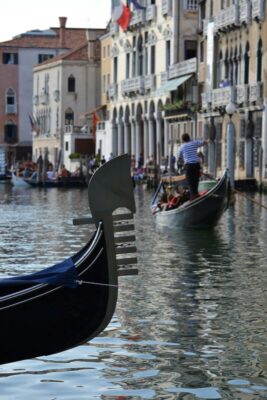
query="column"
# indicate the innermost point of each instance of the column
(126, 138)
(159, 147)
(150, 138)
(120, 132)
(230, 137)
(133, 149)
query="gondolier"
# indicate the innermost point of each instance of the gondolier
(188, 151)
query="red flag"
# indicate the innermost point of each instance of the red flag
(121, 14)
(96, 119)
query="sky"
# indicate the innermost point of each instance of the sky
(18, 16)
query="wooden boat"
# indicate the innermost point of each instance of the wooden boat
(72, 302)
(202, 212)
(18, 181)
(74, 181)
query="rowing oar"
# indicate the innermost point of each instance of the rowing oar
(249, 198)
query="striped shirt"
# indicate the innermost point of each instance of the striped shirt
(188, 151)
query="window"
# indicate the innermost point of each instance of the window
(69, 117)
(71, 84)
(152, 59)
(168, 54)
(115, 69)
(190, 49)
(127, 66)
(201, 50)
(10, 132)
(259, 61)
(44, 57)
(140, 56)
(191, 5)
(10, 58)
(66, 146)
(10, 102)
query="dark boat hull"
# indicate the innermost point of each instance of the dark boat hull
(71, 183)
(203, 212)
(49, 319)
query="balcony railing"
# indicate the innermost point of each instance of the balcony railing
(132, 85)
(183, 68)
(114, 28)
(36, 100)
(256, 92)
(44, 98)
(257, 9)
(242, 94)
(11, 109)
(244, 11)
(151, 12)
(113, 91)
(150, 82)
(138, 17)
(163, 77)
(166, 7)
(227, 18)
(75, 129)
(56, 95)
(222, 96)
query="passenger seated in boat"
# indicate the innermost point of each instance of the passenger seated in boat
(162, 204)
(63, 173)
(180, 196)
(51, 174)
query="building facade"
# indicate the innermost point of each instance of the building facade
(65, 88)
(17, 59)
(233, 70)
(153, 76)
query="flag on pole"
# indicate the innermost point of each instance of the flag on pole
(34, 124)
(120, 13)
(96, 119)
(137, 5)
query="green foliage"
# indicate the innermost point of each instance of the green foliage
(74, 156)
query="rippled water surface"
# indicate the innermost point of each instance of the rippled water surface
(191, 325)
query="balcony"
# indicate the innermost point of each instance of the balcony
(150, 82)
(151, 12)
(242, 95)
(113, 91)
(227, 18)
(11, 109)
(257, 9)
(75, 129)
(256, 93)
(163, 77)
(36, 100)
(245, 12)
(138, 18)
(166, 7)
(44, 98)
(56, 95)
(114, 28)
(132, 86)
(183, 68)
(222, 96)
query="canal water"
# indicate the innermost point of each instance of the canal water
(191, 325)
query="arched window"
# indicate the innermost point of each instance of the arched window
(226, 65)
(259, 61)
(71, 84)
(246, 61)
(140, 56)
(11, 107)
(11, 135)
(69, 117)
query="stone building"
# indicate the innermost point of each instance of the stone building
(17, 59)
(153, 74)
(65, 88)
(232, 80)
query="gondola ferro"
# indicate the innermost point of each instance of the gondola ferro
(72, 302)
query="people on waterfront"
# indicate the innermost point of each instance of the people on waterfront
(63, 173)
(188, 151)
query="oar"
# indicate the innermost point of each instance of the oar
(249, 198)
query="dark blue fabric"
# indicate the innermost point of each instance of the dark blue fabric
(137, 6)
(63, 273)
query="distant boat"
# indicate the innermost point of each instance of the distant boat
(73, 181)
(202, 212)
(72, 302)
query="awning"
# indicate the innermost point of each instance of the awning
(173, 84)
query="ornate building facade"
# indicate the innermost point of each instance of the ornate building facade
(153, 76)
(233, 70)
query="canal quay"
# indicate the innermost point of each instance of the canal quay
(191, 325)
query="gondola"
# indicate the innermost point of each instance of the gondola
(202, 212)
(71, 302)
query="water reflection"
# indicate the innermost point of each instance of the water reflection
(191, 325)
